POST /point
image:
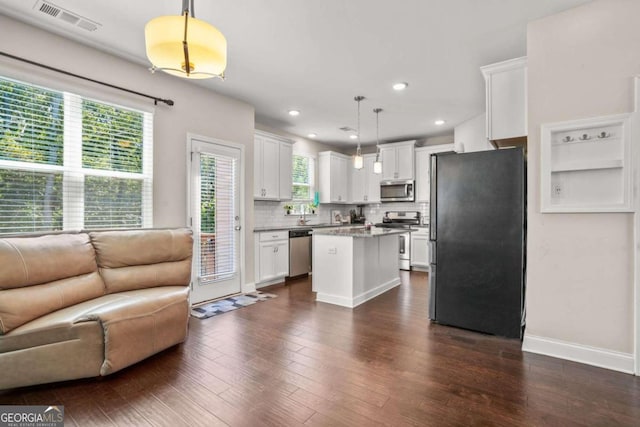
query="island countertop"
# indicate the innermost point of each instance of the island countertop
(360, 231)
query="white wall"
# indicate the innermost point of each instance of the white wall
(196, 110)
(471, 135)
(579, 266)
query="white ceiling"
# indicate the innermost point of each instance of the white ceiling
(316, 55)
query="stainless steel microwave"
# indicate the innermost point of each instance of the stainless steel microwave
(397, 191)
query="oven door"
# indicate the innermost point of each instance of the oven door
(404, 244)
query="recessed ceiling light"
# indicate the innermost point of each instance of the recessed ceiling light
(294, 113)
(353, 136)
(439, 122)
(312, 135)
(400, 86)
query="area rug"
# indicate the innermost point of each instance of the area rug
(229, 304)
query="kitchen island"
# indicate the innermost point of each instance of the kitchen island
(353, 265)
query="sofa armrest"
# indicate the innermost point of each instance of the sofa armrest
(142, 323)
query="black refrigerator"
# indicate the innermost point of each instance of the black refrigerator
(477, 241)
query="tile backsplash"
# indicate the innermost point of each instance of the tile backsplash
(270, 214)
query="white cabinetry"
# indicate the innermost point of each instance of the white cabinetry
(423, 168)
(420, 248)
(272, 256)
(334, 177)
(397, 160)
(365, 184)
(506, 91)
(285, 170)
(271, 167)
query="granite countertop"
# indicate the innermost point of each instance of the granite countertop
(360, 231)
(297, 227)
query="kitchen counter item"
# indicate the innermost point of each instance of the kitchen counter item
(336, 217)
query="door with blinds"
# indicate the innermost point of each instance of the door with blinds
(215, 216)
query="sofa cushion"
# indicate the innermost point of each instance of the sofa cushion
(138, 259)
(21, 305)
(43, 274)
(27, 261)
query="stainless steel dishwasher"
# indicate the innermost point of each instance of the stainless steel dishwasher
(299, 252)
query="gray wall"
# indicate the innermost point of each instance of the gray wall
(196, 110)
(580, 267)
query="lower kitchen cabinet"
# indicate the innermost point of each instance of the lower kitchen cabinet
(420, 248)
(272, 257)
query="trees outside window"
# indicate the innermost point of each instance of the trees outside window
(71, 162)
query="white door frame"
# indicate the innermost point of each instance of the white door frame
(635, 147)
(241, 147)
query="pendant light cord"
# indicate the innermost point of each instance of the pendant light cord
(358, 99)
(377, 111)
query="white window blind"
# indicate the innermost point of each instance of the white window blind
(217, 217)
(71, 162)
(302, 177)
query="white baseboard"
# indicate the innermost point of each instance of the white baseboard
(359, 299)
(248, 287)
(603, 358)
(378, 290)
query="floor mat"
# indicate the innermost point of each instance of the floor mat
(229, 304)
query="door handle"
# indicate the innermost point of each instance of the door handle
(238, 227)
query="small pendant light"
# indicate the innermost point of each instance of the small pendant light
(358, 160)
(377, 165)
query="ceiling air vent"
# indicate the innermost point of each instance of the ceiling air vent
(49, 9)
(66, 15)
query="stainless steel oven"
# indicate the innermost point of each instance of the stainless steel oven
(397, 191)
(405, 220)
(405, 251)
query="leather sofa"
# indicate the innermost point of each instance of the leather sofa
(84, 304)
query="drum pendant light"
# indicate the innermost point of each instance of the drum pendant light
(358, 160)
(184, 46)
(377, 165)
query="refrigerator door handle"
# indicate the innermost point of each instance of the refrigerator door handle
(432, 253)
(433, 198)
(403, 242)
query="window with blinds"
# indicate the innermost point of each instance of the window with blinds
(302, 177)
(218, 176)
(70, 162)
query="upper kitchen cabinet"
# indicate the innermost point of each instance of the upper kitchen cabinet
(423, 168)
(506, 91)
(397, 160)
(365, 184)
(333, 175)
(272, 167)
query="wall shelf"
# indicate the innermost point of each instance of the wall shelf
(581, 165)
(586, 165)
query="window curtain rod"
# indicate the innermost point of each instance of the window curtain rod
(37, 64)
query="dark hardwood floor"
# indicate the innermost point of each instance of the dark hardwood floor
(292, 361)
